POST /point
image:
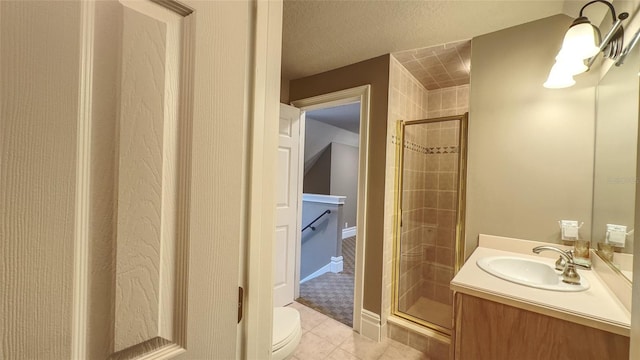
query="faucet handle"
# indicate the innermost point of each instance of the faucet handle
(571, 254)
(570, 275)
(560, 263)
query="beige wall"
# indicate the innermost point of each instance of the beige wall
(530, 159)
(343, 163)
(374, 72)
(317, 180)
(318, 135)
(344, 180)
(284, 91)
(335, 173)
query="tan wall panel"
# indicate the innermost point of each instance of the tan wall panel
(530, 148)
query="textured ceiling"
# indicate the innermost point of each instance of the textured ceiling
(320, 35)
(346, 117)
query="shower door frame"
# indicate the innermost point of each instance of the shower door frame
(460, 212)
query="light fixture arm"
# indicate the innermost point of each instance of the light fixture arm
(607, 38)
(628, 49)
(613, 10)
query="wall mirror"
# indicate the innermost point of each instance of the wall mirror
(616, 145)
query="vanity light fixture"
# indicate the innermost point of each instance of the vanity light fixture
(627, 50)
(582, 43)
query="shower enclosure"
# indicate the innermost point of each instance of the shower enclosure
(429, 218)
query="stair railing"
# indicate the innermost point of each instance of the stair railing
(313, 228)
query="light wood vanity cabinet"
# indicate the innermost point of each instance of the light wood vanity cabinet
(489, 330)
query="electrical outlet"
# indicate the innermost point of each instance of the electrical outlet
(616, 235)
(346, 225)
(569, 229)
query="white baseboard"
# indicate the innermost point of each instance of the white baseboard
(317, 273)
(370, 326)
(384, 331)
(336, 264)
(348, 232)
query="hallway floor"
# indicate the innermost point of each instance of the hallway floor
(326, 338)
(330, 293)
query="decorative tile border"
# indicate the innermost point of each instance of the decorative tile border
(410, 145)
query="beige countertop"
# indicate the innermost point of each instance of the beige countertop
(596, 307)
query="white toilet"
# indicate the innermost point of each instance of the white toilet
(286, 332)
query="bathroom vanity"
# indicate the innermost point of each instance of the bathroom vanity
(488, 329)
(500, 319)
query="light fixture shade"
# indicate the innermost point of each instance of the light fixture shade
(580, 40)
(572, 65)
(559, 78)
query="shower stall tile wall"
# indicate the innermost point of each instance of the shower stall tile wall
(429, 194)
(448, 101)
(407, 101)
(435, 201)
(429, 202)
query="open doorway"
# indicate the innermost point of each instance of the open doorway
(329, 210)
(350, 232)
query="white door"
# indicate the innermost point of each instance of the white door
(288, 206)
(123, 176)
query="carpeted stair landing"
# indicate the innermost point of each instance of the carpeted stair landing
(330, 293)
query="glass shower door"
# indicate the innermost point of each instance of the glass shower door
(430, 159)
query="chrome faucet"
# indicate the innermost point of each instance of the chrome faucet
(565, 264)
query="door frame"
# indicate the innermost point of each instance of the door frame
(256, 260)
(343, 97)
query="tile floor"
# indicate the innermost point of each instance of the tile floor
(325, 338)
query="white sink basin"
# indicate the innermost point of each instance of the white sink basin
(528, 272)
